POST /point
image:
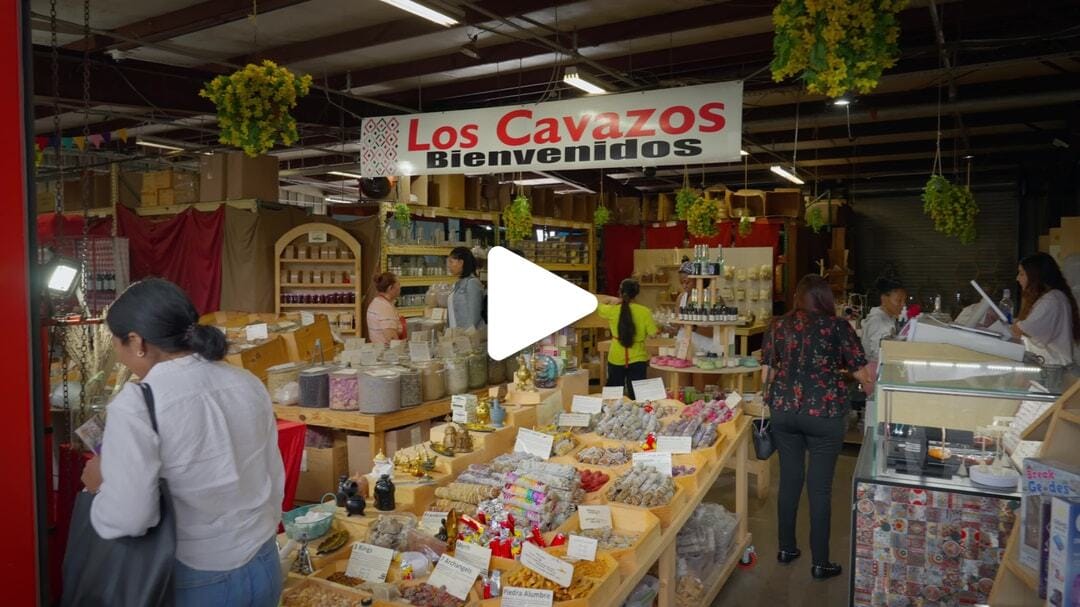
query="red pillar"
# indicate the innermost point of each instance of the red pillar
(21, 452)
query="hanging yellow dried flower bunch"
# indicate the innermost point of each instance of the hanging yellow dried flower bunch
(254, 104)
(835, 46)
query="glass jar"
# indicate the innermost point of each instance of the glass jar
(457, 375)
(411, 391)
(432, 381)
(478, 370)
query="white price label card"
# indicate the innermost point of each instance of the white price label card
(649, 389)
(526, 597)
(307, 318)
(459, 416)
(369, 563)
(581, 548)
(431, 521)
(551, 567)
(456, 576)
(587, 404)
(472, 554)
(594, 517)
(574, 420)
(303, 462)
(257, 332)
(419, 351)
(317, 237)
(534, 443)
(674, 444)
(612, 393)
(733, 400)
(655, 459)
(438, 314)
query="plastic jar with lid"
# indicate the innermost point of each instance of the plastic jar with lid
(478, 371)
(380, 391)
(344, 390)
(411, 390)
(432, 381)
(457, 376)
(315, 387)
(280, 375)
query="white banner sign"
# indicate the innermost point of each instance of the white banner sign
(677, 126)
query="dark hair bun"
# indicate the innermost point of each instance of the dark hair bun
(208, 342)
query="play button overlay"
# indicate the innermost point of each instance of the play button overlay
(526, 303)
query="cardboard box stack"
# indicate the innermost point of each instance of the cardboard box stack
(237, 176)
(169, 187)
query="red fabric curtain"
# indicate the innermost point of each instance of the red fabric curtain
(763, 235)
(665, 236)
(290, 437)
(722, 238)
(620, 242)
(185, 249)
(50, 225)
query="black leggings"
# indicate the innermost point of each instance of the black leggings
(620, 375)
(823, 437)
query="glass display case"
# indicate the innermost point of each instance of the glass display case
(923, 531)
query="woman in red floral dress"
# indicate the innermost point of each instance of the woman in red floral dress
(806, 354)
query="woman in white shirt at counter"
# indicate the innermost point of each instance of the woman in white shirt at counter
(1048, 321)
(216, 446)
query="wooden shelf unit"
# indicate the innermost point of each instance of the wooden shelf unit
(1015, 584)
(315, 236)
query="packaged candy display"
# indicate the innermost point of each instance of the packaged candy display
(542, 493)
(627, 421)
(457, 376)
(682, 470)
(609, 539)
(432, 381)
(380, 391)
(315, 387)
(411, 392)
(344, 390)
(593, 480)
(604, 456)
(426, 595)
(642, 486)
(478, 370)
(704, 542)
(390, 532)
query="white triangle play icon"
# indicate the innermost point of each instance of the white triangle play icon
(527, 303)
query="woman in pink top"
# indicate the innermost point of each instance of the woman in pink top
(383, 322)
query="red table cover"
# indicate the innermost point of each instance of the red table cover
(291, 443)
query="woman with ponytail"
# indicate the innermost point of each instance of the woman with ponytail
(213, 437)
(631, 324)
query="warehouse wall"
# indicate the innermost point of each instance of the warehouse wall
(891, 231)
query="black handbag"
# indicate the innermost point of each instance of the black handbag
(764, 446)
(125, 572)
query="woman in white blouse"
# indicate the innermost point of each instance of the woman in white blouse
(1048, 321)
(216, 445)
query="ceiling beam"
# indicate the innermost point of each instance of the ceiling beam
(383, 33)
(709, 15)
(173, 24)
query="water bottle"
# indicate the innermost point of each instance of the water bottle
(1006, 305)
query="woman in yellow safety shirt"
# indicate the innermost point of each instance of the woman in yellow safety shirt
(631, 324)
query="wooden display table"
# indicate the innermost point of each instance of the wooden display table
(569, 385)
(375, 425)
(674, 373)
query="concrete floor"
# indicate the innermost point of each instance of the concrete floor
(769, 582)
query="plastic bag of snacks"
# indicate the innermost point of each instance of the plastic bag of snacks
(704, 541)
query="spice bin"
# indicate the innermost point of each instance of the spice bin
(380, 391)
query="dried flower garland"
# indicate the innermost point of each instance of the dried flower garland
(835, 46)
(518, 219)
(253, 106)
(951, 207)
(701, 218)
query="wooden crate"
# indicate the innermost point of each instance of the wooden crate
(448, 191)
(629, 521)
(785, 202)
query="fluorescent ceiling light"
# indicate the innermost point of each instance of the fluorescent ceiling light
(344, 174)
(841, 101)
(535, 181)
(338, 200)
(743, 153)
(151, 144)
(790, 176)
(421, 10)
(578, 80)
